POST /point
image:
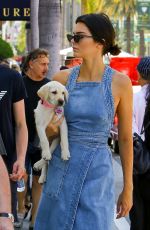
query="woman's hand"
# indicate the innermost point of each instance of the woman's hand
(6, 224)
(52, 130)
(124, 203)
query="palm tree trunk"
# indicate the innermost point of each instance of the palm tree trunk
(28, 37)
(34, 24)
(1, 23)
(73, 14)
(128, 26)
(63, 28)
(142, 43)
(49, 32)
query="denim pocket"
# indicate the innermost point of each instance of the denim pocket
(56, 174)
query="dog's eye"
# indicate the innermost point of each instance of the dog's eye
(54, 92)
(63, 93)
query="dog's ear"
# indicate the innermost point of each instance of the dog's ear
(66, 95)
(43, 92)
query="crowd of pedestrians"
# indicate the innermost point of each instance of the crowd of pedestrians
(84, 186)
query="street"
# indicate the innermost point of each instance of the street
(121, 224)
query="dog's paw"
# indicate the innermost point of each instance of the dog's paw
(38, 166)
(42, 179)
(65, 155)
(46, 156)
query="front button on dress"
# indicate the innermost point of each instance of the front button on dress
(79, 193)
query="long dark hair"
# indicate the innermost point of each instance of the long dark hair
(147, 116)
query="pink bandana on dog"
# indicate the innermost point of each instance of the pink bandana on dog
(47, 105)
(58, 110)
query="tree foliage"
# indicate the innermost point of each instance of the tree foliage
(21, 41)
(91, 6)
(115, 9)
(118, 8)
(5, 49)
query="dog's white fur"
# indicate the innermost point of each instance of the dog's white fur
(54, 93)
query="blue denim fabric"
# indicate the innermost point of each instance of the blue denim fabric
(79, 193)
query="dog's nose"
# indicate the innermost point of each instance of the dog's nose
(60, 102)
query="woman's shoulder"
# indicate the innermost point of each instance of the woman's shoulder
(121, 81)
(62, 76)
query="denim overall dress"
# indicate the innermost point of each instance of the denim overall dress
(79, 193)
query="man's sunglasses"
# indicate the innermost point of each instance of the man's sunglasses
(77, 37)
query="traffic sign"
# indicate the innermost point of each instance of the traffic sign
(143, 9)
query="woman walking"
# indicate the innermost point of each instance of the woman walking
(79, 193)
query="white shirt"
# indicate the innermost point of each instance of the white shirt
(139, 104)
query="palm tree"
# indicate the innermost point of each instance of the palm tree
(34, 24)
(49, 31)
(91, 6)
(119, 9)
(28, 36)
(142, 43)
(1, 23)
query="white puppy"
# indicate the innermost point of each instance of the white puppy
(53, 97)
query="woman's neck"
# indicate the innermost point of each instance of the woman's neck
(92, 70)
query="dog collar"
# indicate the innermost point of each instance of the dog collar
(47, 104)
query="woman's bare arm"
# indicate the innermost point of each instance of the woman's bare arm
(124, 113)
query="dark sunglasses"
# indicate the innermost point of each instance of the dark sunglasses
(77, 37)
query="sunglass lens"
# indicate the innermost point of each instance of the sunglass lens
(69, 37)
(76, 38)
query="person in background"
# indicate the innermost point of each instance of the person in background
(22, 65)
(16, 67)
(140, 212)
(6, 217)
(4, 61)
(35, 70)
(63, 67)
(79, 193)
(13, 128)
